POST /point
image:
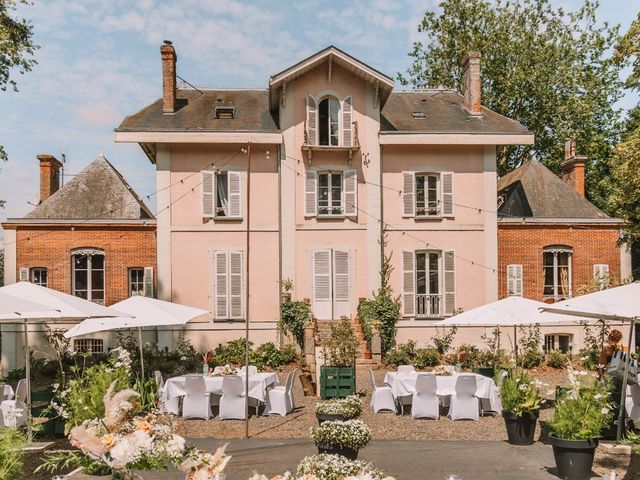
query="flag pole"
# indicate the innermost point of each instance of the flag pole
(246, 307)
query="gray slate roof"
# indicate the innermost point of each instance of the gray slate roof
(533, 190)
(98, 192)
(444, 113)
(195, 113)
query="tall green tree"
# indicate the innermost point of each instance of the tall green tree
(547, 68)
(16, 49)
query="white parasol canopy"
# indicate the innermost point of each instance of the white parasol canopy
(508, 312)
(16, 308)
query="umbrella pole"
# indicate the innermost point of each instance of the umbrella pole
(141, 357)
(515, 344)
(27, 370)
(623, 395)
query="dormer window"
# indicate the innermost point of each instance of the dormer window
(328, 120)
(224, 113)
(419, 115)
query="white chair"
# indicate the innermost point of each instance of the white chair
(157, 376)
(501, 376)
(464, 403)
(425, 402)
(14, 411)
(232, 402)
(5, 392)
(632, 404)
(196, 402)
(280, 398)
(253, 370)
(406, 369)
(381, 397)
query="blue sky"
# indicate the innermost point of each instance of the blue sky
(100, 61)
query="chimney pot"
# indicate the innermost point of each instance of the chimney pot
(471, 83)
(573, 168)
(169, 58)
(49, 175)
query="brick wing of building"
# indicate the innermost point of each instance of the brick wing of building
(92, 237)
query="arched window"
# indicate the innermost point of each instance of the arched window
(87, 268)
(556, 264)
(328, 122)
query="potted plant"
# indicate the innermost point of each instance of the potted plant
(521, 400)
(339, 409)
(341, 437)
(337, 375)
(580, 417)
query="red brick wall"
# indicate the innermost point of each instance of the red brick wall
(124, 246)
(523, 244)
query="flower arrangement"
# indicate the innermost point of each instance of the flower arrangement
(520, 393)
(444, 370)
(124, 442)
(348, 408)
(584, 411)
(330, 467)
(352, 434)
(224, 370)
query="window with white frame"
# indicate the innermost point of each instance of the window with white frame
(329, 122)
(141, 281)
(556, 265)
(514, 280)
(428, 283)
(39, 276)
(427, 194)
(221, 194)
(601, 275)
(88, 274)
(228, 285)
(331, 193)
(92, 346)
(558, 341)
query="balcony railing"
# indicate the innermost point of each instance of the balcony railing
(429, 306)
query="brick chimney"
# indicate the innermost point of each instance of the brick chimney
(573, 167)
(49, 175)
(169, 59)
(471, 83)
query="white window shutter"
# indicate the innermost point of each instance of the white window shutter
(341, 283)
(311, 194)
(409, 283)
(408, 193)
(148, 282)
(236, 285)
(208, 197)
(514, 280)
(447, 194)
(350, 192)
(449, 283)
(24, 274)
(235, 194)
(312, 121)
(347, 119)
(321, 272)
(220, 281)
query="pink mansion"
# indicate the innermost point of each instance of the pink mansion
(299, 181)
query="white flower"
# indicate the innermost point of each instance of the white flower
(597, 396)
(604, 410)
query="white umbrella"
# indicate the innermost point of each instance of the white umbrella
(615, 304)
(17, 308)
(512, 311)
(51, 305)
(144, 312)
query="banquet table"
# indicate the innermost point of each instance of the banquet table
(258, 384)
(404, 384)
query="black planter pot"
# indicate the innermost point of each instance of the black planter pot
(520, 429)
(328, 417)
(574, 458)
(336, 450)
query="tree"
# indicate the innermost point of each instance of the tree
(547, 68)
(628, 51)
(16, 49)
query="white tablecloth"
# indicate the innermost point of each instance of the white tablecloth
(404, 384)
(258, 384)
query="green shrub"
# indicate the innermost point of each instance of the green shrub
(468, 356)
(340, 349)
(294, 317)
(353, 434)
(426, 357)
(232, 353)
(266, 355)
(403, 354)
(530, 355)
(288, 354)
(11, 453)
(519, 393)
(443, 339)
(349, 407)
(531, 359)
(556, 359)
(589, 359)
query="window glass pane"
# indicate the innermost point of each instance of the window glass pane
(80, 280)
(420, 191)
(434, 284)
(323, 121)
(97, 262)
(563, 343)
(421, 280)
(222, 194)
(97, 280)
(432, 196)
(334, 109)
(80, 262)
(549, 280)
(81, 294)
(136, 281)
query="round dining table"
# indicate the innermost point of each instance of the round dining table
(258, 384)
